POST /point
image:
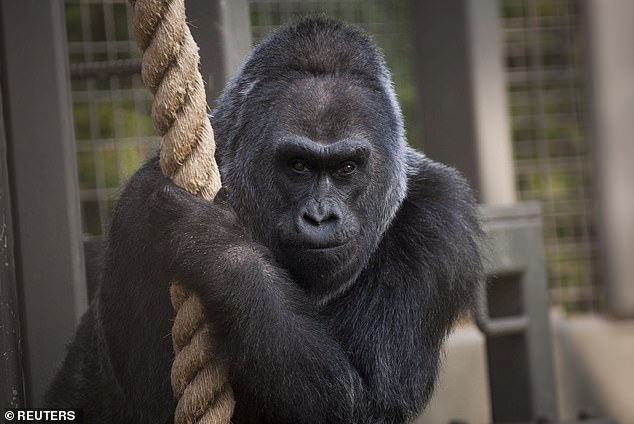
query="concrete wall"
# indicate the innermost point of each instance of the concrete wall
(462, 392)
(594, 366)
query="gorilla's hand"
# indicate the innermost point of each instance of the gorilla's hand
(263, 324)
(186, 228)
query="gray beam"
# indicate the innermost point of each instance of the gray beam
(42, 165)
(462, 93)
(513, 314)
(611, 69)
(222, 30)
(11, 378)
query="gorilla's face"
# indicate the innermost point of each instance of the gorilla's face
(317, 232)
(316, 173)
(321, 229)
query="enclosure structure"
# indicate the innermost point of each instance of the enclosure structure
(83, 59)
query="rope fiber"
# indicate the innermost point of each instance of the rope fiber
(179, 112)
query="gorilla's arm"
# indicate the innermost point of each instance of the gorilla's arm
(424, 274)
(284, 366)
(371, 354)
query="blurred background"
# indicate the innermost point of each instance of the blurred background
(532, 100)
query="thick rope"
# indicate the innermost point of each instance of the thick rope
(170, 71)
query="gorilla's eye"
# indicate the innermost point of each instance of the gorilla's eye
(347, 168)
(300, 166)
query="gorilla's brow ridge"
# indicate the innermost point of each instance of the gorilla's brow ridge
(358, 148)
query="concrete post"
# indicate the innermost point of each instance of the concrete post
(611, 73)
(11, 376)
(462, 93)
(44, 187)
(222, 30)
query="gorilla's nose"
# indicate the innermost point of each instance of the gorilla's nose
(318, 224)
(317, 213)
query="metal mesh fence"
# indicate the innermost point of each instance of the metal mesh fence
(544, 60)
(111, 107)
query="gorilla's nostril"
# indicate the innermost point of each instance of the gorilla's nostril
(310, 219)
(318, 220)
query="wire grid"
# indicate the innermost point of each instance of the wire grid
(112, 110)
(544, 61)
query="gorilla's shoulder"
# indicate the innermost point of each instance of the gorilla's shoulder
(439, 210)
(131, 207)
(439, 219)
(431, 183)
(146, 177)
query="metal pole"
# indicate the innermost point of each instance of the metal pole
(11, 379)
(611, 71)
(222, 30)
(462, 93)
(42, 165)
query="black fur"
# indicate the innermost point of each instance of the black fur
(332, 264)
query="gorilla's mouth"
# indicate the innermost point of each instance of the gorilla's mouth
(294, 241)
(326, 247)
(321, 254)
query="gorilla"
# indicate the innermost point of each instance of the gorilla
(332, 264)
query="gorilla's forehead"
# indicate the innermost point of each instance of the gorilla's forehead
(326, 108)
